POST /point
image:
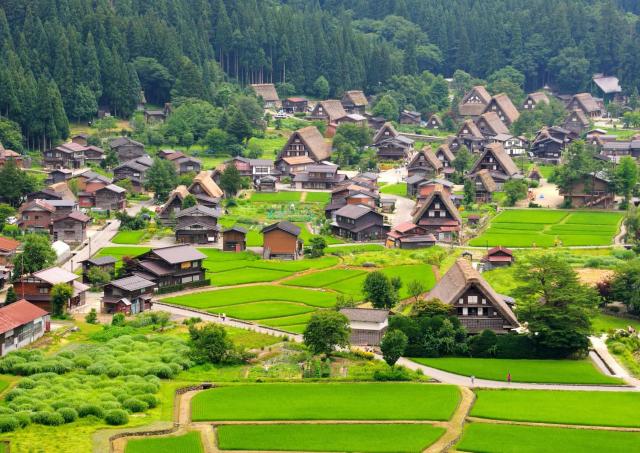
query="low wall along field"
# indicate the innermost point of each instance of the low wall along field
(550, 228)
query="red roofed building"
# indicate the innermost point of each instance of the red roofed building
(21, 323)
(498, 257)
(8, 249)
(36, 287)
(408, 235)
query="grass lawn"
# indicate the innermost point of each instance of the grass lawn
(549, 228)
(243, 295)
(399, 189)
(578, 408)
(246, 275)
(491, 438)
(128, 237)
(263, 310)
(538, 371)
(605, 323)
(384, 401)
(188, 443)
(344, 438)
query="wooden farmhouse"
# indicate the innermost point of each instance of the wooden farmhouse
(438, 215)
(36, 216)
(126, 148)
(367, 325)
(318, 177)
(498, 257)
(444, 155)
(268, 93)
(111, 197)
(484, 185)
(358, 223)
(549, 144)
(69, 155)
(266, 184)
(182, 163)
(354, 101)
(576, 121)
(330, 111)
(470, 136)
(497, 162)
(305, 147)
(534, 99)
(71, 228)
(295, 105)
(129, 295)
(350, 194)
(176, 266)
(173, 205)
(391, 145)
(608, 87)
(36, 287)
(59, 175)
(410, 117)
(8, 249)
(490, 125)
(593, 191)
(197, 225)
(104, 263)
(587, 103)
(507, 112)
(282, 241)
(7, 155)
(474, 103)
(135, 170)
(21, 323)
(234, 239)
(205, 189)
(435, 122)
(425, 163)
(477, 305)
(408, 235)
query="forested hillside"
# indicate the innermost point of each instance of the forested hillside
(65, 58)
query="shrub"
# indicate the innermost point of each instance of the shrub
(162, 371)
(90, 409)
(47, 418)
(24, 418)
(135, 405)
(150, 400)
(6, 410)
(8, 423)
(69, 414)
(116, 417)
(392, 374)
(118, 320)
(27, 383)
(13, 394)
(111, 405)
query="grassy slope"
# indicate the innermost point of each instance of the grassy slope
(388, 401)
(605, 323)
(488, 438)
(188, 443)
(342, 438)
(581, 408)
(539, 371)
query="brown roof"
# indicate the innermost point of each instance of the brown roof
(42, 204)
(284, 225)
(334, 109)
(8, 245)
(459, 278)
(487, 180)
(298, 160)
(499, 249)
(587, 102)
(471, 129)
(494, 122)
(208, 184)
(174, 155)
(365, 314)
(178, 254)
(580, 115)
(498, 152)
(474, 109)
(504, 102)
(132, 283)
(429, 156)
(446, 199)
(537, 97)
(313, 139)
(55, 275)
(18, 314)
(447, 152)
(180, 192)
(75, 215)
(266, 91)
(353, 211)
(387, 125)
(356, 97)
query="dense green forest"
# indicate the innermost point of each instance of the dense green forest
(62, 59)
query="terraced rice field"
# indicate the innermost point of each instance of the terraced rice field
(549, 228)
(188, 443)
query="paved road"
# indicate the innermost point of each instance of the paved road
(99, 240)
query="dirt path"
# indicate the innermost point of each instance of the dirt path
(455, 425)
(553, 425)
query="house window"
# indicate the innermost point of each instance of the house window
(473, 299)
(437, 206)
(432, 213)
(194, 264)
(473, 311)
(461, 301)
(185, 265)
(465, 311)
(484, 301)
(44, 290)
(480, 311)
(494, 313)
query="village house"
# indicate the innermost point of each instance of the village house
(354, 101)
(318, 177)
(358, 223)
(36, 216)
(491, 125)
(549, 144)
(110, 197)
(71, 228)
(497, 257)
(135, 170)
(474, 103)
(435, 122)
(176, 266)
(587, 103)
(390, 145)
(438, 215)
(59, 175)
(476, 303)
(266, 184)
(104, 263)
(469, 136)
(90, 180)
(350, 194)
(182, 163)
(513, 146)
(608, 87)
(410, 117)
(305, 147)
(366, 179)
(413, 183)
(617, 149)
(21, 323)
(46, 194)
(268, 93)
(7, 155)
(484, 185)
(8, 249)
(375, 122)
(154, 116)
(36, 288)
(576, 122)
(248, 168)
(126, 148)
(592, 191)
(81, 139)
(425, 163)
(93, 155)
(408, 235)
(367, 325)
(534, 99)
(173, 205)
(502, 105)
(197, 225)
(444, 155)
(282, 241)
(295, 105)
(129, 295)
(69, 155)
(353, 118)
(234, 239)
(205, 189)
(63, 190)
(330, 111)
(500, 165)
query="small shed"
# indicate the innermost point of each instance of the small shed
(388, 205)
(266, 184)
(473, 219)
(104, 263)
(368, 325)
(234, 239)
(498, 257)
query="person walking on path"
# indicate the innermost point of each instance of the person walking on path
(508, 377)
(473, 380)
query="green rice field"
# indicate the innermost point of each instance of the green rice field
(399, 189)
(502, 438)
(549, 228)
(523, 370)
(129, 237)
(365, 438)
(567, 407)
(188, 443)
(362, 401)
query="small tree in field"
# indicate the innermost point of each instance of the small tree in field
(210, 344)
(326, 331)
(60, 295)
(416, 289)
(92, 317)
(231, 181)
(393, 345)
(379, 290)
(318, 244)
